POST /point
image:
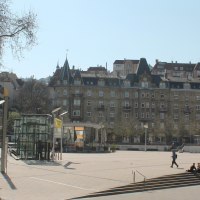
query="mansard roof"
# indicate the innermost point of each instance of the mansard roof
(99, 68)
(174, 65)
(123, 61)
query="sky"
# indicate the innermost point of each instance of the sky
(96, 32)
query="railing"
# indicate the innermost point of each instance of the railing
(134, 176)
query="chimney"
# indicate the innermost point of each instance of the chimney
(157, 61)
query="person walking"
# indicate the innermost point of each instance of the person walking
(174, 157)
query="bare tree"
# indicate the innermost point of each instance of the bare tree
(16, 32)
(33, 98)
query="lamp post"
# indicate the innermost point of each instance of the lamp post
(62, 131)
(145, 139)
(3, 144)
(53, 145)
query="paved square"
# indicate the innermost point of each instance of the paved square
(79, 174)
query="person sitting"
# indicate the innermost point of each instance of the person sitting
(192, 168)
(198, 168)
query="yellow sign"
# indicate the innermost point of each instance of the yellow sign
(79, 128)
(57, 123)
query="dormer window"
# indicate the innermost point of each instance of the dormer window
(127, 83)
(77, 82)
(162, 85)
(101, 82)
(186, 86)
(145, 84)
(65, 82)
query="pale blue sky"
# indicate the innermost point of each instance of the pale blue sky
(100, 31)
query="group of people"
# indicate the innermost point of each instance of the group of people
(194, 169)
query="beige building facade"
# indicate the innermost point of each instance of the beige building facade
(166, 99)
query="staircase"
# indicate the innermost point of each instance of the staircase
(185, 179)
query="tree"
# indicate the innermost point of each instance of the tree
(11, 118)
(33, 98)
(16, 32)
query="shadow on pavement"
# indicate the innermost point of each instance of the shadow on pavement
(42, 162)
(9, 181)
(66, 166)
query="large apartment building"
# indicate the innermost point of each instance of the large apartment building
(166, 99)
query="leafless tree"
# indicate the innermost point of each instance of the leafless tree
(16, 32)
(33, 98)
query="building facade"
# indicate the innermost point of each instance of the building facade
(166, 99)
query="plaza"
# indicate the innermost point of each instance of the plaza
(80, 174)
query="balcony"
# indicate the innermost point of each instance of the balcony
(101, 108)
(163, 109)
(126, 108)
(186, 110)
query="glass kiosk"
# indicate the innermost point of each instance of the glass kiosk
(33, 136)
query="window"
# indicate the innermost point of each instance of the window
(162, 105)
(65, 82)
(162, 96)
(112, 94)
(142, 95)
(187, 117)
(100, 114)
(89, 103)
(142, 105)
(176, 96)
(76, 112)
(147, 104)
(142, 115)
(77, 82)
(77, 102)
(153, 105)
(126, 115)
(136, 105)
(197, 98)
(89, 114)
(175, 116)
(175, 106)
(126, 94)
(162, 85)
(127, 83)
(136, 115)
(147, 115)
(112, 114)
(145, 84)
(186, 86)
(162, 115)
(64, 92)
(152, 115)
(136, 95)
(64, 102)
(89, 93)
(112, 104)
(101, 93)
(101, 82)
(126, 103)
(197, 116)
(101, 103)
(77, 91)
(162, 125)
(197, 107)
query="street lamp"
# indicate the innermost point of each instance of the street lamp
(62, 131)
(145, 139)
